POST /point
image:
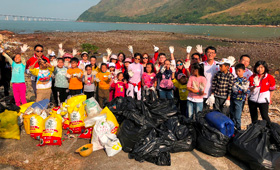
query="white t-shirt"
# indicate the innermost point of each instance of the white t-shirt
(247, 74)
(209, 73)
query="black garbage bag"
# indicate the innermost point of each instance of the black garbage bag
(253, 147)
(152, 148)
(210, 140)
(275, 136)
(180, 131)
(9, 103)
(2, 108)
(129, 133)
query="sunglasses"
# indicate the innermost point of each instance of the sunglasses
(137, 59)
(194, 58)
(179, 64)
(145, 57)
(67, 57)
(39, 51)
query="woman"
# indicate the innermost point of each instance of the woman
(262, 86)
(120, 64)
(135, 71)
(181, 69)
(145, 61)
(127, 62)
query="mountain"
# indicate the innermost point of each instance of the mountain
(185, 11)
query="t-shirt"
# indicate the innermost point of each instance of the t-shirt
(196, 83)
(18, 73)
(74, 82)
(209, 73)
(104, 80)
(138, 70)
(82, 64)
(183, 92)
(88, 87)
(149, 79)
(60, 78)
(119, 88)
(44, 78)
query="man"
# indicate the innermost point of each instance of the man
(38, 55)
(210, 69)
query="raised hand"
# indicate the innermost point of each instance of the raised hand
(171, 49)
(199, 49)
(189, 49)
(24, 48)
(130, 49)
(156, 48)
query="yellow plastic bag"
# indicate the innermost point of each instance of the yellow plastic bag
(9, 128)
(25, 106)
(74, 101)
(26, 123)
(111, 118)
(52, 132)
(36, 126)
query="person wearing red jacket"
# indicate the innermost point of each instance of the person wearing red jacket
(262, 86)
(120, 62)
(38, 55)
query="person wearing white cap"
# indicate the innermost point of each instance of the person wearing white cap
(84, 62)
(113, 74)
(222, 86)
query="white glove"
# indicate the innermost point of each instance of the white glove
(211, 100)
(49, 51)
(75, 75)
(97, 80)
(24, 48)
(227, 103)
(74, 52)
(195, 85)
(79, 75)
(156, 48)
(86, 77)
(189, 49)
(109, 51)
(54, 62)
(173, 68)
(60, 46)
(171, 49)
(68, 76)
(130, 49)
(162, 70)
(199, 49)
(256, 81)
(130, 73)
(61, 52)
(104, 59)
(235, 88)
(157, 67)
(94, 72)
(232, 60)
(201, 87)
(82, 66)
(245, 87)
(109, 76)
(1, 50)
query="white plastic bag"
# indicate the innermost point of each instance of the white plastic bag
(92, 107)
(113, 145)
(101, 127)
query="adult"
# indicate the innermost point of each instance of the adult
(5, 74)
(145, 60)
(135, 71)
(120, 62)
(127, 62)
(262, 86)
(38, 56)
(210, 69)
(244, 59)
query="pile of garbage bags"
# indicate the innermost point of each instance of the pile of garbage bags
(151, 130)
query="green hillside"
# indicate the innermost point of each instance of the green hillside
(185, 11)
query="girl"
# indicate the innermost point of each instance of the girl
(112, 67)
(103, 78)
(88, 79)
(149, 78)
(94, 65)
(84, 62)
(120, 64)
(127, 62)
(262, 86)
(165, 82)
(120, 86)
(135, 71)
(196, 86)
(18, 79)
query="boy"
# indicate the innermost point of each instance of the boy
(88, 79)
(75, 75)
(44, 79)
(239, 91)
(61, 82)
(222, 86)
(103, 78)
(244, 59)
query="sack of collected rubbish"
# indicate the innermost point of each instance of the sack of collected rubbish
(92, 107)
(102, 137)
(37, 123)
(209, 139)
(257, 146)
(9, 104)
(52, 132)
(9, 128)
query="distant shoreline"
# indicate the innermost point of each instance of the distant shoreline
(224, 25)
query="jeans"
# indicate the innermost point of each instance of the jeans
(253, 107)
(235, 112)
(165, 94)
(193, 108)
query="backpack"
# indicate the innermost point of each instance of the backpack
(166, 83)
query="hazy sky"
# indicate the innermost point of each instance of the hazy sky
(68, 9)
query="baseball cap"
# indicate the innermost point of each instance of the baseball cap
(114, 57)
(67, 55)
(127, 60)
(52, 54)
(180, 76)
(84, 52)
(224, 61)
(112, 65)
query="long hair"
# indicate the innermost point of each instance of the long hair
(199, 67)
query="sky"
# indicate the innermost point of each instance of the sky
(66, 9)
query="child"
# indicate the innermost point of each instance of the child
(120, 86)
(262, 86)
(94, 65)
(239, 91)
(61, 82)
(44, 79)
(74, 74)
(244, 59)
(222, 86)
(149, 79)
(112, 67)
(181, 85)
(196, 86)
(84, 61)
(88, 79)
(103, 78)
(53, 62)
(18, 79)
(127, 62)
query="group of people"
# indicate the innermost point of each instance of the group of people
(198, 82)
